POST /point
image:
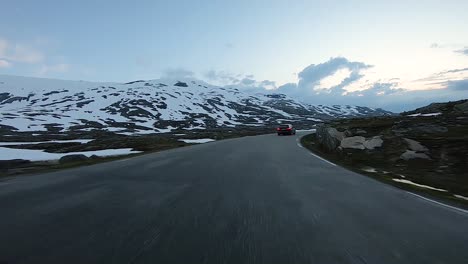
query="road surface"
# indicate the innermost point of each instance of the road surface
(260, 199)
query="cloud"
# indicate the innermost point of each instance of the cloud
(18, 53)
(463, 51)
(378, 89)
(247, 81)
(288, 88)
(57, 68)
(268, 85)
(340, 81)
(26, 54)
(268, 82)
(345, 82)
(455, 70)
(177, 73)
(222, 77)
(458, 85)
(444, 79)
(329, 77)
(252, 85)
(4, 64)
(311, 76)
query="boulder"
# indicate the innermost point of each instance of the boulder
(73, 158)
(359, 142)
(181, 84)
(375, 142)
(329, 137)
(360, 132)
(415, 145)
(356, 142)
(94, 157)
(410, 154)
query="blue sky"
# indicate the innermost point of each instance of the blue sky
(402, 45)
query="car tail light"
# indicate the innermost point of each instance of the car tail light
(278, 128)
(288, 128)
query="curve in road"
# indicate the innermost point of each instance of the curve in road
(260, 199)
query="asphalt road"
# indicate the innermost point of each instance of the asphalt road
(257, 199)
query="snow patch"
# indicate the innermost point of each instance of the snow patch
(461, 197)
(37, 155)
(369, 169)
(307, 130)
(429, 114)
(419, 185)
(82, 141)
(201, 140)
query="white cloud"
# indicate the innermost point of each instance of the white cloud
(19, 53)
(268, 85)
(60, 68)
(340, 81)
(247, 81)
(22, 53)
(334, 79)
(222, 77)
(463, 51)
(4, 64)
(368, 79)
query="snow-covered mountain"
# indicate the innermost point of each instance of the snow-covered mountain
(155, 106)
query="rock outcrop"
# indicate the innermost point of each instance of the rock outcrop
(356, 142)
(73, 158)
(329, 137)
(374, 142)
(410, 154)
(415, 150)
(332, 139)
(415, 145)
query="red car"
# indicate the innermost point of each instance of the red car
(286, 129)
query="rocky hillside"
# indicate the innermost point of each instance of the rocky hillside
(425, 148)
(143, 107)
(449, 108)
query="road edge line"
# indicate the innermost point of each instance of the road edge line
(465, 212)
(310, 152)
(329, 162)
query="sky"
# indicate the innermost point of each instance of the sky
(391, 54)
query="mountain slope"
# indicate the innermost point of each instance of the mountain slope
(156, 106)
(455, 107)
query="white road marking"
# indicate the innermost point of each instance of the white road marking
(322, 159)
(441, 204)
(299, 145)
